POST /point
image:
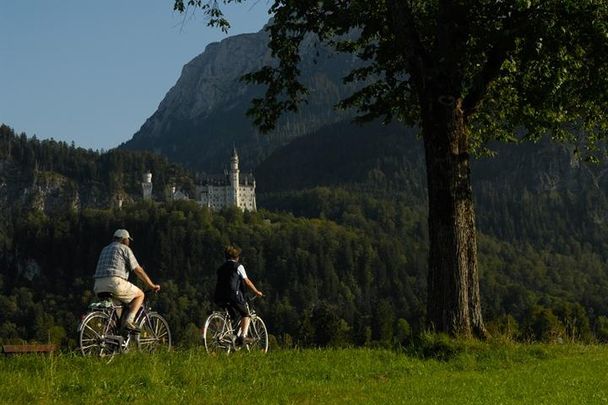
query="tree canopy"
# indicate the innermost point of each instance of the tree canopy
(539, 66)
(466, 72)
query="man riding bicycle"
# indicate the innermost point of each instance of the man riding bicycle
(230, 291)
(115, 262)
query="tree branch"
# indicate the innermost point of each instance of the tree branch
(495, 58)
(401, 17)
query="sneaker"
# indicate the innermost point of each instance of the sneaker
(240, 341)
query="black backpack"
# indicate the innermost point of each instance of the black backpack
(229, 287)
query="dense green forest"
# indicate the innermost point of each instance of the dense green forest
(340, 265)
(80, 178)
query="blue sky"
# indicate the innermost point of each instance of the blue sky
(93, 71)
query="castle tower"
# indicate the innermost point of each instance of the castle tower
(234, 177)
(146, 186)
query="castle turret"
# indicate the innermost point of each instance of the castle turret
(226, 190)
(146, 186)
(234, 177)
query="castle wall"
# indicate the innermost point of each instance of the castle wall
(218, 197)
(230, 194)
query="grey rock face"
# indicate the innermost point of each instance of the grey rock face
(204, 114)
(48, 192)
(211, 80)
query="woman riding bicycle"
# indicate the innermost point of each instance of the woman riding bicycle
(230, 290)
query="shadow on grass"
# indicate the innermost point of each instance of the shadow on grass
(442, 347)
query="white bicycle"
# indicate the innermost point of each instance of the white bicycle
(220, 332)
(99, 333)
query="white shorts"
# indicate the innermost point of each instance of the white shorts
(121, 289)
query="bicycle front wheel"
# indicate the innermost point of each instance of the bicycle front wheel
(92, 335)
(155, 334)
(257, 331)
(216, 334)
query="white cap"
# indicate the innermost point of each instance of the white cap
(122, 234)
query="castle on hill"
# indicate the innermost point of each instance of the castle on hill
(228, 190)
(217, 191)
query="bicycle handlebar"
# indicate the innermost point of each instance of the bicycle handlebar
(252, 298)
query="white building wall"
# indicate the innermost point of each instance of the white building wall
(233, 194)
(146, 186)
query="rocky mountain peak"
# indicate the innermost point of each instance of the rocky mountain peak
(212, 79)
(204, 114)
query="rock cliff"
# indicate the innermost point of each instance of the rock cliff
(204, 114)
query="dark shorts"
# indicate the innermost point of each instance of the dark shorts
(237, 311)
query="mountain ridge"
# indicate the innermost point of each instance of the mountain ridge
(204, 114)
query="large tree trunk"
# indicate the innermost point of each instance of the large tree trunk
(453, 304)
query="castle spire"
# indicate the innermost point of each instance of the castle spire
(234, 176)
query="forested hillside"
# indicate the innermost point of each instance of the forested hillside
(539, 194)
(541, 212)
(354, 280)
(54, 176)
(344, 264)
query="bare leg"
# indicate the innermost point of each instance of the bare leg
(245, 325)
(134, 307)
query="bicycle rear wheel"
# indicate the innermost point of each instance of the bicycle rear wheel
(217, 334)
(92, 333)
(155, 334)
(257, 331)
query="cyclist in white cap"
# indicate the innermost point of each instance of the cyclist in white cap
(112, 276)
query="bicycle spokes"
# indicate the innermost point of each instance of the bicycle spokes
(219, 334)
(98, 334)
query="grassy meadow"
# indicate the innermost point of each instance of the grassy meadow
(477, 373)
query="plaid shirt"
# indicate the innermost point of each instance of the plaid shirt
(115, 260)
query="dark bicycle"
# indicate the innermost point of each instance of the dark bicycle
(220, 332)
(100, 335)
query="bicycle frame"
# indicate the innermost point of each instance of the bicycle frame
(229, 331)
(112, 342)
(109, 341)
(221, 331)
(234, 325)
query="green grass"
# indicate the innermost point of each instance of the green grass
(477, 374)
